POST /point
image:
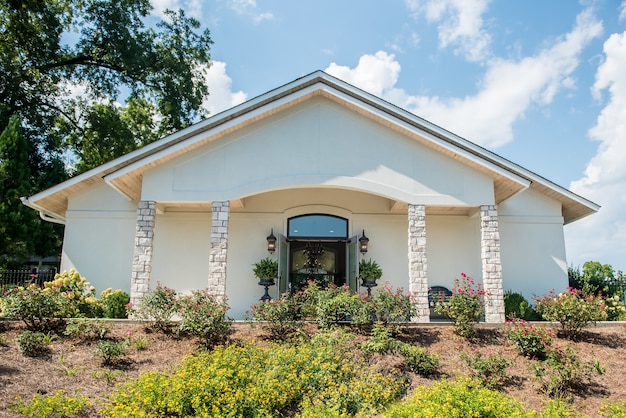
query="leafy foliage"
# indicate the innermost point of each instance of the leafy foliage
(516, 306)
(388, 305)
(110, 351)
(266, 268)
(573, 309)
(40, 309)
(160, 68)
(563, 373)
(33, 344)
(531, 341)
(87, 329)
(465, 306)
(114, 303)
(255, 381)
(490, 371)
(159, 307)
(203, 316)
(57, 405)
(282, 317)
(461, 398)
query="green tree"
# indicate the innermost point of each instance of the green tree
(50, 50)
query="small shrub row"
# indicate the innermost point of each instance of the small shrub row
(332, 306)
(200, 314)
(465, 307)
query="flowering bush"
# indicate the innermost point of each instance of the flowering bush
(337, 304)
(40, 309)
(460, 398)
(253, 381)
(113, 303)
(615, 309)
(56, 405)
(158, 306)
(203, 316)
(78, 291)
(530, 340)
(573, 309)
(389, 306)
(282, 316)
(465, 306)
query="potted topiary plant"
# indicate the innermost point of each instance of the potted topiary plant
(369, 272)
(266, 270)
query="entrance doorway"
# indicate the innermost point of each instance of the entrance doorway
(317, 247)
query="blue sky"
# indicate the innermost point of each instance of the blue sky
(541, 83)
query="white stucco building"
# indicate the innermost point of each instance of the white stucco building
(317, 162)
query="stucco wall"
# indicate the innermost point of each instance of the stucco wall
(317, 143)
(99, 237)
(180, 257)
(452, 247)
(533, 245)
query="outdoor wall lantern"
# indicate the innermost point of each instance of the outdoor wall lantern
(363, 243)
(271, 242)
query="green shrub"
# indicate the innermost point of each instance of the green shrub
(159, 307)
(465, 306)
(339, 304)
(490, 371)
(282, 316)
(114, 303)
(388, 305)
(461, 398)
(516, 306)
(87, 329)
(563, 373)
(33, 344)
(39, 309)
(58, 405)
(573, 309)
(110, 351)
(416, 358)
(531, 341)
(253, 381)
(203, 316)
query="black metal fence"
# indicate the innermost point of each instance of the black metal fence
(14, 278)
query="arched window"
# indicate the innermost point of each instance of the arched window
(317, 226)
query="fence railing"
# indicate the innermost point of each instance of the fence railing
(13, 278)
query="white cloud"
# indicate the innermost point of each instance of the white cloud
(192, 8)
(248, 8)
(622, 13)
(505, 92)
(220, 95)
(376, 73)
(460, 25)
(602, 236)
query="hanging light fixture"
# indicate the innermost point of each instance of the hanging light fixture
(271, 242)
(363, 241)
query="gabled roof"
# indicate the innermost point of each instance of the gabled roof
(125, 173)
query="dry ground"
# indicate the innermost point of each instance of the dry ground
(71, 363)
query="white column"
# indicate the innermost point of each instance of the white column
(491, 264)
(418, 282)
(142, 255)
(220, 213)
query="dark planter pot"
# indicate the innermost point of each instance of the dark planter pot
(369, 282)
(266, 282)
